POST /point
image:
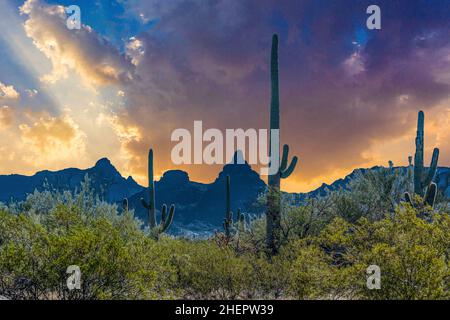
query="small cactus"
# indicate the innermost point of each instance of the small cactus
(410, 168)
(228, 223)
(430, 196)
(125, 205)
(391, 164)
(242, 226)
(166, 218)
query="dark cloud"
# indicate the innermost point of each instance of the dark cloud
(343, 87)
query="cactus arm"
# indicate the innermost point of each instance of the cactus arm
(433, 167)
(284, 158)
(125, 204)
(286, 173)
(145, 204)
(167, 222)
(430, 196)
(163, 214)
(408, 198)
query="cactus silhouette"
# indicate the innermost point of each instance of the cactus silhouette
(423, 179)
(166, 220)
(273, 214)
(125, 205)
(242, 226)
(228, 224)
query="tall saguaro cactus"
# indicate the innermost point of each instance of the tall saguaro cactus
(166, 220)
(273, 215)
(423, 179)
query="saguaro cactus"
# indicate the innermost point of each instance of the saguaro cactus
(273, 215)
(228, 221)
(423, 179)
(125, 205)
(242, 226)
(166, 220)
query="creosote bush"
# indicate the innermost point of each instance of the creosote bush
(326, 246)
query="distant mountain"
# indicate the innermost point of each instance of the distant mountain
(199, 204)
(200, 207)
(106, 181)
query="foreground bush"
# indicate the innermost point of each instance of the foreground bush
(413, 255)
(325, 253)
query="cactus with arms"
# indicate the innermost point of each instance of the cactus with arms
(273, 215)
(423, 181)
(166, 218)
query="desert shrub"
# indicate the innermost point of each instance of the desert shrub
(308, 272)
(327, 245)
(413, 254)
(206, 270)
(116, 257)
(34, 258)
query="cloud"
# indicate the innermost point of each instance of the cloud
(33, 141)
(8, 92)
(348, 95)
(31, 92)
(135, 50)
(7, 117)
(354, 64)
(56, 136)
(80, 51)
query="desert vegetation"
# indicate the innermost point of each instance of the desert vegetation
(325, 248)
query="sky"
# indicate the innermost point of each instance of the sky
(137, 70)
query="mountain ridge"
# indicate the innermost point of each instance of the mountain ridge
(199, 206)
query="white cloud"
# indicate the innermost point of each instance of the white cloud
(8, 92)
(79, 51)
(135, 50)
(31, 92)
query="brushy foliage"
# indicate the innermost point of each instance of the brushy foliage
(327, 245)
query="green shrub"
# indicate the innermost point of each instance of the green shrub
(413, 254)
